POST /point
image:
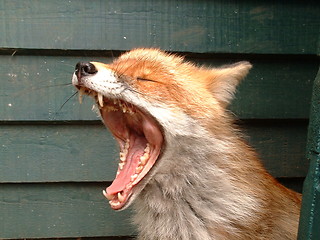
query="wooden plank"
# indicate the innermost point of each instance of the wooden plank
(191, 26)
(281, 146)
(64, 153)
(64, 210)
(59, 211)
(42, 153)
(33, 88)
(310, 211)
(275, 89)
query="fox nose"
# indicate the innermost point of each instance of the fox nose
(84, 69)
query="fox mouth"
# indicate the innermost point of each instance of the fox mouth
(140, 140)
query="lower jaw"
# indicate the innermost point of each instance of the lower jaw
(132, 169)
(116, 204)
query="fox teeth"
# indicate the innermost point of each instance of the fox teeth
(129, 186)
(133, 177)
(121, 165)
(109, 197)
(100, 99)
(114, 204)
(120, 197)
(127, 144)
(144, 158)
(80, 94)
(147, 149)
(122, 157)
(139, 169)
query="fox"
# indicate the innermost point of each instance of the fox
(184, 165)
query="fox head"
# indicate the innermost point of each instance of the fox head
(148, 98)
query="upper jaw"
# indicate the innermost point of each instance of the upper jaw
(101, 80)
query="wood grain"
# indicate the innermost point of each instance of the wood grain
(87, 153)
(33, 88)
(59, 211)
(189, 26)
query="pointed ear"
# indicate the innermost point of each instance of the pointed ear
(225, 80)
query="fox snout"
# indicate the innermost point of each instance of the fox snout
(84, 69)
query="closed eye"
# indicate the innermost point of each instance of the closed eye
(145, 79)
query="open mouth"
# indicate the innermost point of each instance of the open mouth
(140, 139)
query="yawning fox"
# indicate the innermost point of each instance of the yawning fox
(184, 165)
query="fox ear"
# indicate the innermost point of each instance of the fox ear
(225, 80)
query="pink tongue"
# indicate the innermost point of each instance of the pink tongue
(136, 150)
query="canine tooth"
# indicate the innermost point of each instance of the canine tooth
(109, 197)
(100, 99)
(120, 197)
(105, 194)
(80, 94)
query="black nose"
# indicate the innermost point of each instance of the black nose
(84, 69)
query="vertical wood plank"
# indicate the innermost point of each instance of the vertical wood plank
(310, 212)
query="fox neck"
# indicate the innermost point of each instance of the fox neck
(192, 195)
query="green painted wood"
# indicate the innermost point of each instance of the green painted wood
(66, 210)
(281, 146)
(310, 213)
(231, 26)
(53, 153)
(87, 153)
(33, 88)
(58, 211)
